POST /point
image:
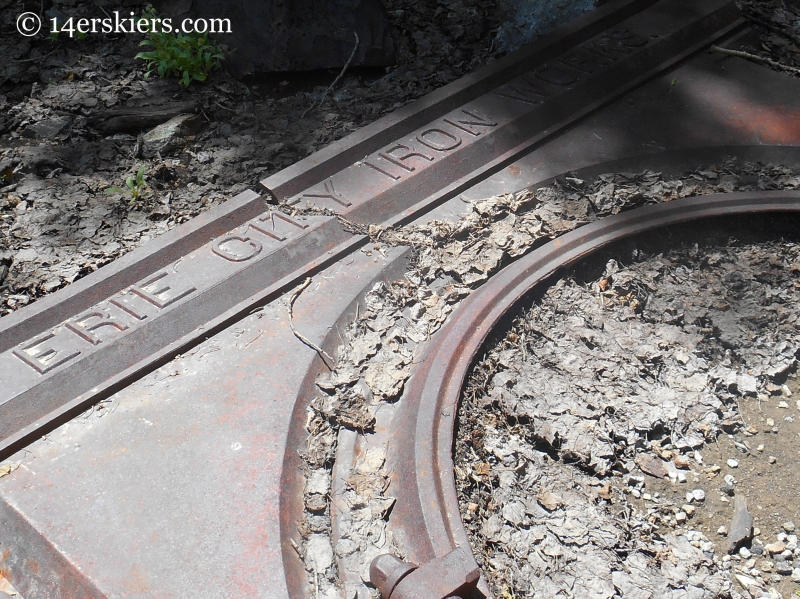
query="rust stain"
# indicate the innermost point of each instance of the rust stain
(6, 553)
(137, 580)
(780, 126)
(33, 566)
(514, 170)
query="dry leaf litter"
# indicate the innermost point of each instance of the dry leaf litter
(450, 260)
(612, 382)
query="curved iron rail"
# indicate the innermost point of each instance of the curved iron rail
(425, 485)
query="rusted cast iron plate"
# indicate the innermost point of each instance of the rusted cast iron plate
(84, 343)
(427, 505)
(191, 483)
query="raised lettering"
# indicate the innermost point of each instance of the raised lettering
(627, 38)
(123, 305)
(439, 139)
(380, 170)
(156, 295)
(556, 76)
(608, 47)
(274, 224)
(44, 359)
(410, 152)
(475, 120)
(330, 193)
(80, 327)
(223, 249)
(524, 89)
(584, 60)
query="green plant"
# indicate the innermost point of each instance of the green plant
(188, 56)
(135, 186)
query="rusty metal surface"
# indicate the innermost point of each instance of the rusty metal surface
(188, 482)
(427, 505)
(453, 576)
(151, 317)
(174, 489)
(712, 106)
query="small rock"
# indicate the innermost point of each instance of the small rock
(746, 581)
(680, 517)
(796, 575)
(741, 528)
(681, 461)
(732, 463)
(772, 459)
(689, 509)
(681, 477)
(786, 391)
(48, 128)
(697, 495)
(783, 568)
(770, 422)
(765, 566)
(722, 531)
(727, 488)
(744, 552)
(752, 430)
(651, 465)
(789, 526)
(776, 547)
(783, 404)
(760, 448)
(756, 549)
(169, 136)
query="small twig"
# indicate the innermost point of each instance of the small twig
(249, 343)
(296, 547)
(335, 81)
(322, 353)
(36, 57)
(748, 55)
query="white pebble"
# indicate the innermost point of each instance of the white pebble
(681, 477)
(744, 552)
(722, 531)
(732, 463)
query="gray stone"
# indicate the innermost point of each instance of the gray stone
(301, 35)
(741, 528)
(170, 135)
(783, 568)
(48, 128)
